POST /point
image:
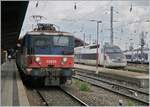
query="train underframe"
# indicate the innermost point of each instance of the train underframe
(47, 76)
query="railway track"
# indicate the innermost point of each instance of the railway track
(130, 92)
(138, 63)
(144, 66)
(59, 97)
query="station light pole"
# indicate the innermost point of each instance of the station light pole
(111, 26)
(97, 56)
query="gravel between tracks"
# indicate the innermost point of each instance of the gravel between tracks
(99, 97)
(95, 97)
(57, 97)
(33, 97)
(53, 95)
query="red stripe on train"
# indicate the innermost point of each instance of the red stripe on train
(45, 61)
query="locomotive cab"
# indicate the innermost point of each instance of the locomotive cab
(48, 54)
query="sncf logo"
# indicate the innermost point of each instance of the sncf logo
(51, 61)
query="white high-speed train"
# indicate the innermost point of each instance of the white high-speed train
(109, 56)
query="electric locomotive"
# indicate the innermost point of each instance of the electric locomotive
(47, 54)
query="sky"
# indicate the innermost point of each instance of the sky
(129, 19)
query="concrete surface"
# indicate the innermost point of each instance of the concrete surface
(140, 79)
(12, 89)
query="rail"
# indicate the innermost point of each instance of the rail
(121, 89)
(46, 101)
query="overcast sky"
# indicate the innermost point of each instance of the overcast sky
(128, 23)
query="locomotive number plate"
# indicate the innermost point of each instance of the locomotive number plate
(51, 61)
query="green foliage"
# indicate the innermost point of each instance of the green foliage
(83, 86)
(130, 103)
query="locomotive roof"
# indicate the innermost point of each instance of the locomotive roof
(49, 33)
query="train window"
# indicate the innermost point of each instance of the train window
(112, 50)
(41, 42)
(91, 56)
(61, 41)
(128, 56)
(146, 56)
(93, 47)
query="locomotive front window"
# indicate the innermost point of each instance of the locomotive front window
(41, 42)
(51, 44)
(61, 41)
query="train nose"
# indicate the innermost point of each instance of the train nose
(124, 60)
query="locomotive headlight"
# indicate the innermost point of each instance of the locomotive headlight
(37, 59)
(64, 59)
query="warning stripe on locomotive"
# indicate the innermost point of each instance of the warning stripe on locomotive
(63, 61)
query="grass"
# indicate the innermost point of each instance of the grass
(83, 86)
(136, 70)
(130, 103)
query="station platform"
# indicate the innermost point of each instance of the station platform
(141, 79)
(12, 89)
